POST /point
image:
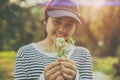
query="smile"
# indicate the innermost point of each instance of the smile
(60, 35)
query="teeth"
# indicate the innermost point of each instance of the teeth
(59, 35)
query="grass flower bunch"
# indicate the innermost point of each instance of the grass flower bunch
(60, 44)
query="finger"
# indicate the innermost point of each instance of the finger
(60, 77)
(65, 59)
(52, 65)
(68, 77)
(69, 71)
(54, 76)
(71, 61)
(68, 65)
(59, 58)
(53, 71)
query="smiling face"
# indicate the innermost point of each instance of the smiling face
(60, 27)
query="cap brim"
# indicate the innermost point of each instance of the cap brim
(62, 13)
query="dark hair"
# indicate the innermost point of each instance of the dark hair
(45, 19)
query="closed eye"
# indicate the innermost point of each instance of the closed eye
(70, 25)
(56, 22)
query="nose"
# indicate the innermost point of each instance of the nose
(61, 31)
(61, 28)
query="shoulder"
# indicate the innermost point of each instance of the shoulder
(81, 55)
(82, 51)
(22, 50)
(79, 48)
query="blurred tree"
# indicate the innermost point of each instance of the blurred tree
(111, 31)
(18, 25)
(102, 29)
(84, 36)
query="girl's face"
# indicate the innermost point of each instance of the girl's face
(60, 27)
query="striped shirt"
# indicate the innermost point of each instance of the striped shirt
(31, 61)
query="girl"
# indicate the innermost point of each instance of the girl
(39, 61)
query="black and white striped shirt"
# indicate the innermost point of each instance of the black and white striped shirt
(31, 61)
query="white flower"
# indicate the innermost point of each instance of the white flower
(59, 39)
(59, 42)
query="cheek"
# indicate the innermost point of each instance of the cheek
(50, 30)
(49, 27)
(71, 31)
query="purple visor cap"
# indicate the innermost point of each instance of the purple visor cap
(62, 13)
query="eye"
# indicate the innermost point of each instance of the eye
(70, 25)
(56, 22)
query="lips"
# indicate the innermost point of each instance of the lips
(60, 35)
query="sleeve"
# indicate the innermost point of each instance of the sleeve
(41, 77)
(20, 70)
(85, 70)
(77, 76)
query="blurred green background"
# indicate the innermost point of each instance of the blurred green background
(21, 24)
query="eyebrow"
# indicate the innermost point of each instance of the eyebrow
(55, 19)
(73, 21)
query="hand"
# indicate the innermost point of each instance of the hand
(69, 68)
(52, 71)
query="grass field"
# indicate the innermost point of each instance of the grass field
(7, 61)
(104, 64)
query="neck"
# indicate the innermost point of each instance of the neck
(48, 45)
(48, 42)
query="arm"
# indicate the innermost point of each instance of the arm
(85, 65)
(83, 60)
(41, 77)
(20, 67)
